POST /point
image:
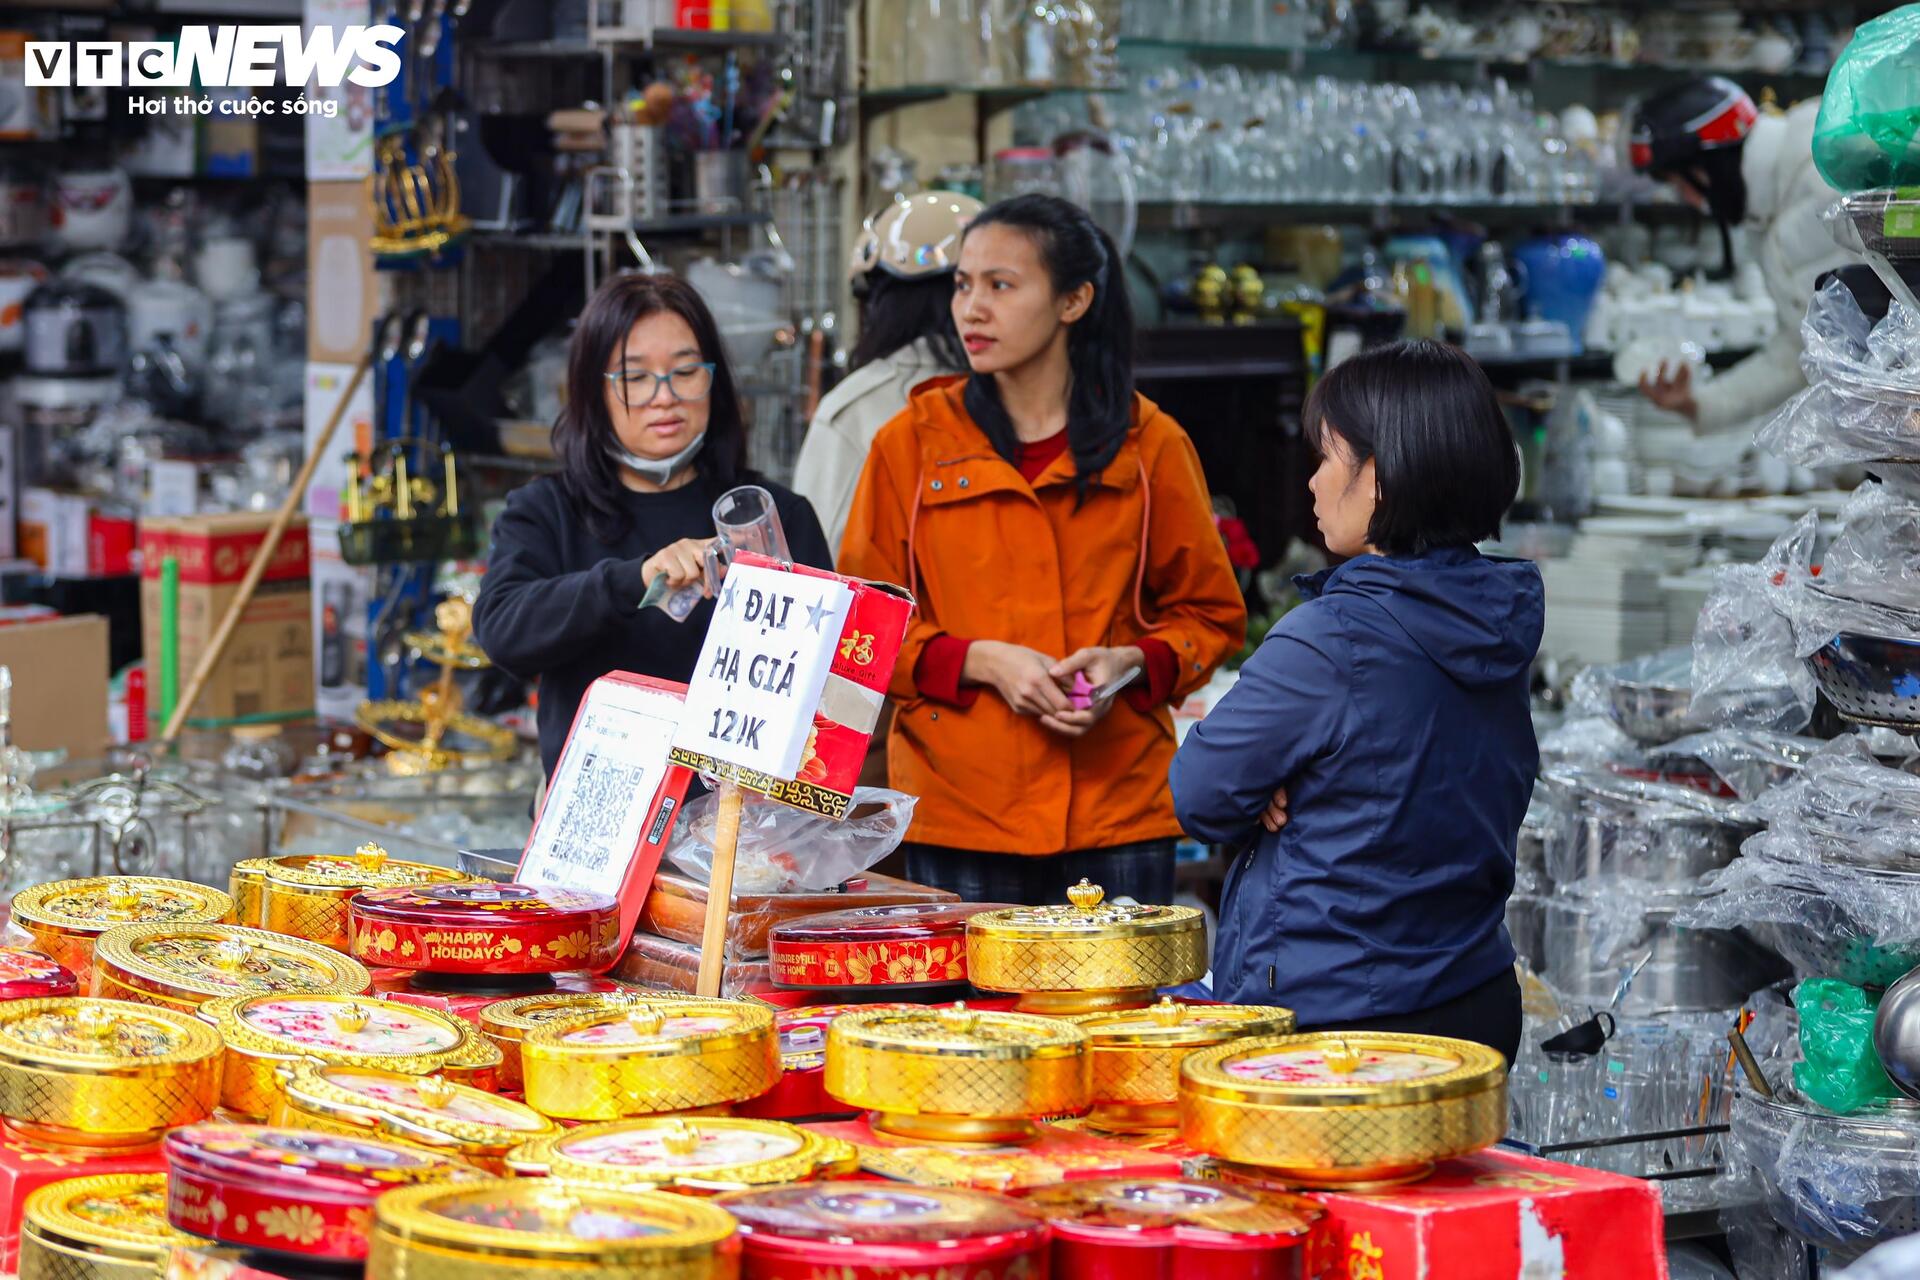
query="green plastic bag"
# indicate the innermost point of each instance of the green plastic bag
(1870, 112)
(1841, 1072)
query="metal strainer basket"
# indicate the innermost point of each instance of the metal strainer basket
(1873, 680)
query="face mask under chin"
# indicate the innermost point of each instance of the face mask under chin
(658, 470)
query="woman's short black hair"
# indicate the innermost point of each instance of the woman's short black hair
(896, 312)
(583, 432)
(1444, 457)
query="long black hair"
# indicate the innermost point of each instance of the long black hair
(1443, 452)
(1099, 345)
(896, 312)
(583, 432)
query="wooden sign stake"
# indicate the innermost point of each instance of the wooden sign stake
(713, 936)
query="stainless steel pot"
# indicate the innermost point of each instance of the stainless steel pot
(1527, 926)
(1600, 829)
(1590, 946)
(1838, 1183)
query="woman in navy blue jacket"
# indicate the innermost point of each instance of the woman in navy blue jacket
(1375, 758)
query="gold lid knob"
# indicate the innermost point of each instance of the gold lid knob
(232, 954)
(435, 1091)
(646, 1020)
(1086, 895)
(680, 1138)
(369, 857)
(96, 1022)
(1342, 1058)
(1167, 1013)
(350, 1018)
(122, 896)
(958, 1019)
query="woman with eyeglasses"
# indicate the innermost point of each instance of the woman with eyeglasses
(650, 436)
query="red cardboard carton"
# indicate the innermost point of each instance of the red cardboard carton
(25, 1167)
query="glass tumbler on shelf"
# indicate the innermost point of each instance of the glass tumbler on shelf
(943, 42)
(1022, 170)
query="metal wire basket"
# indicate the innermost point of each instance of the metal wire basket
(1873, 680)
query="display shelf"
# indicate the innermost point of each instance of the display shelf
(1589, 364)
(562, 48)
(573, 241)
(1202, 215)
(992, 98)
(687, 38)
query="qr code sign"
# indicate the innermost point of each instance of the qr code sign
(599, 804)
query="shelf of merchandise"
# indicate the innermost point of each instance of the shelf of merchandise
(686, 224)
(1211, 215)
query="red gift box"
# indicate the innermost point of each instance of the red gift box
(1053, 1156)
(469, 1006)
(1494, 1213)
(25, 1167)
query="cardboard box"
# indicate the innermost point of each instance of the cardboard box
(343, 306)
(60, 677)
(339, 147)
(54, 531)
(25, 1167)
(1495, 1213)
(267, 671)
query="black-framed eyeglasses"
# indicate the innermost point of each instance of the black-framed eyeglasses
(687, 382)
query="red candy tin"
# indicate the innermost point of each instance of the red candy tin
(27, 975)
(489, 929)
(882, 1231)
(800, 1094)
(903, 947)
(1130, 1228)
(292, 1191)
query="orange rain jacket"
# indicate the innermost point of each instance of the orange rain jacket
(990, 557)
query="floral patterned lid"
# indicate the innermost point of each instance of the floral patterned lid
(1342, 1068)
(80, 1032)
(301, 1163)
(691, 1152)
(1173, 1209)
(900, 921)
(119, 1215)
(420, 1105)
(100, 903)
(25, 974)
(339, 1025)
(464, 903)
(535, 1220)
(207, 960)
(880, 1213)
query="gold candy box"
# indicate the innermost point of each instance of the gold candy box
(1136, 1055)
(693, 1155)
(424, 1111)
(182, 966)
(81, 1072)
(1351, 1110)
(506, 1022)
(67, 917)
(1087, 955)
(110, 1227)
(958, 1074)
(265, 1033)
(511, 1228)
(306, 895)
(650, 1058)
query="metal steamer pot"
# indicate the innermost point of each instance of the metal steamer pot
(1603, 826)
(1839, 1183)
(1590, 946)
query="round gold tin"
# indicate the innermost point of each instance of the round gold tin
(1137, 1054)
(182, 966)
(426, 1111)
(67, 917)
(264, 1033)
(81, 1072)
(513, 1228)
(650, 1058)
(506, 1022)
(306, 895)
(247, 886)
(959, 1074)
(1351, 1110)
(111, 1227)
(1086, 956)
(476, 1062)
(694, 1155)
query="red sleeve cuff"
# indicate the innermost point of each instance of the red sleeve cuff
(1155, 688)
(937, 673)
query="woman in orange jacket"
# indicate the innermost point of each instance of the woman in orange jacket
(1052, 524)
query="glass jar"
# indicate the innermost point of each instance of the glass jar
(258, 752)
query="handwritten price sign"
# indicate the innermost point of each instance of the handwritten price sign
(762, 669)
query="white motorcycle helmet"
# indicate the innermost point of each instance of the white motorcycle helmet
(914, 237)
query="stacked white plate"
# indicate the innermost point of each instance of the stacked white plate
(1668, 544)
(1686, 595)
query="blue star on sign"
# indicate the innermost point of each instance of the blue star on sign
(726, 598)
(816, 614)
